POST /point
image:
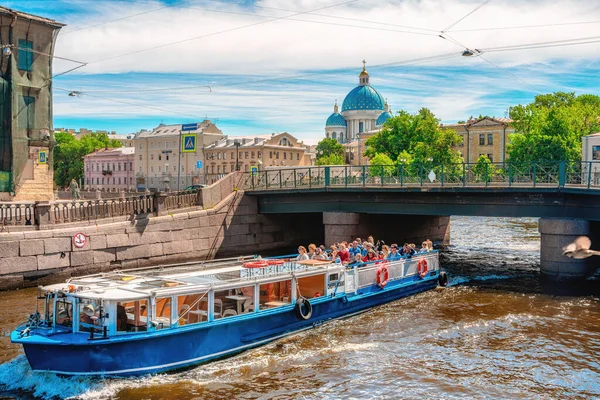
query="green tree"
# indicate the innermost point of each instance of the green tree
(69, 153)
(483, 169)
(415, 136)
(331, 159)
(329, 146)
(550, 128)
(381, 164)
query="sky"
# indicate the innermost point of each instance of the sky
(256, 67)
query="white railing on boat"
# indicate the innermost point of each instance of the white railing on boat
(367, 276)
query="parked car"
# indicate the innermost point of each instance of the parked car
(194, 188)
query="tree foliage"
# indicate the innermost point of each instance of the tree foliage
(483, 169)
(381, 164)
(69, 153)
(329, 152)
(415, 138)
(550, 128)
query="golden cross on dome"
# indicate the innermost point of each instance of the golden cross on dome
(364, 64)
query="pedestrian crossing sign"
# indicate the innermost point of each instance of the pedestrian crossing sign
(188, 143)
(43, 157)
(254, 170)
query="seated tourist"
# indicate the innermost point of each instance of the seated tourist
(311, 250)
(88, 315)
(394, 254)
(319, 255)
(356, 261)
(370, 257)
(354, 249)
(121, 318)
(371, 240)
(385, 250)
(343, 254)
(407, 251)
(302, 255)
(366, 247)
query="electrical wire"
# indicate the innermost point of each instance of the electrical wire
(534, 89)
(476, 8)
(555, 43)
(525, 26)
(216, 33)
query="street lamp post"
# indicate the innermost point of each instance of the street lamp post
(236, 143)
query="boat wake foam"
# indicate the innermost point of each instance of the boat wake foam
(40, 384)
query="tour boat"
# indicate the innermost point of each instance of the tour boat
(159, 319)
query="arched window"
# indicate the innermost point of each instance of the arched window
(334, 135)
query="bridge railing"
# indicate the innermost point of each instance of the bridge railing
(585, 175)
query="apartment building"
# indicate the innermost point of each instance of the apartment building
(110, 170)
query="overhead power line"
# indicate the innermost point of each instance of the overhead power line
(476, 8)
(525, 26)
(217, 33)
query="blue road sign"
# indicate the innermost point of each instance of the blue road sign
(189, 127)
(188, 143)
(43, 157)
(198, 164)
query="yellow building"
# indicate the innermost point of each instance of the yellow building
(260, 151)
(486, 136)
(157, 152)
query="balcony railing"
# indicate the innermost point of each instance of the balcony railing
(582, 175)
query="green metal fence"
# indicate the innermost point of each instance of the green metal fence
(585, 175)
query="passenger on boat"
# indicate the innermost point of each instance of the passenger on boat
(407, 251)
(371, 240)
(354, 249)
(370, 257)
(366, 247)
(385, 250)
(302, 256)
(426, 246)
(333, 252)
(311, 250)
(394, 254)
(87, 314)
(357, 260)
(319, 254)
(343, 254)
(121, 318)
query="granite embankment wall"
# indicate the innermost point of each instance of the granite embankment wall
(231, 227)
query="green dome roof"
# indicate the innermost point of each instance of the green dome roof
(363, 97)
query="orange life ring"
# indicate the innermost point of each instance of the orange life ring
(274, 262)
(317, 294)
(255, 264)
(383, 275)
(422, 268)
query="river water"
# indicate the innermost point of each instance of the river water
(495, 332)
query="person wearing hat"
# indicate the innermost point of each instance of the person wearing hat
(394, 255)
(87, 314)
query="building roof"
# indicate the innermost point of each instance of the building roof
(119, 151)
(174, 130)
(382, 118)
(20, 14)
(335, 119)
(363, 97)
(594, 134)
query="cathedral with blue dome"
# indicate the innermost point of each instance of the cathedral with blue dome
(364, 109)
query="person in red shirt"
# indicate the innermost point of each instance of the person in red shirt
(343, 254)
(371, 256)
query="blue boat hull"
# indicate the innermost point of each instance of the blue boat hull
(178, 348)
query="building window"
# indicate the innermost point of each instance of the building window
(284, 142)
(119, 180)
(25, 55)
(251, 154)
(361, 127)
(218, 169)
(159, 157)
(277, 155)
(140, 157)
(130, 180)
(259, 154)
(291, 156)
(167, 157)
(87, 181)
(232, 155)
(334, 136)
(140, 146)
(246, 168)
(87, 167)
(114, 169)
(218, 156)
(174, 168)
(27, 113)
(270, 154)
(166, 145)
(490, 157)
(151, 145)
(152, 157)
(114, 180)
(490, 138)
(103, 181)
(130, 166)
(119, 166)
(246, 155)
(481, 139)
(225, 168)
(159, 168)
(152, 169)
(140, 168)
(102, 166)
(298, 156)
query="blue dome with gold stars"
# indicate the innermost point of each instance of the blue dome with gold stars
(335, 119)
(363, 97)
(382, 118)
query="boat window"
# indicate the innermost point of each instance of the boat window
(162, 317)
(312, 286)
(275, 294)
(192, 308)
(136, 316)
(64, 311)
(229, 303)
(89, 315)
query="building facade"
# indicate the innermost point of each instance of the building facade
(262, 151)
(110, 170)
(590, 152)
(485, 136)
(27, 44)
(158, 156)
